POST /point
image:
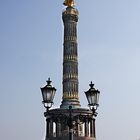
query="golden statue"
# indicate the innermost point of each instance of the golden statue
(69, 3)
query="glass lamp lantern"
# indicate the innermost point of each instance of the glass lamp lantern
(48, 93)
(93, 97)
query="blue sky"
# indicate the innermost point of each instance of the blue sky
(31, 38)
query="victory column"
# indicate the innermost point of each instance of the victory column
(70, 121)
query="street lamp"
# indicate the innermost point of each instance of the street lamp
(48, 93)
(93, 98)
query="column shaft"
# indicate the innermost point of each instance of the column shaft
(70, 59)
(86, 128)
(58, 128)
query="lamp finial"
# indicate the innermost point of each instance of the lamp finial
(91, 85)
(48, 81)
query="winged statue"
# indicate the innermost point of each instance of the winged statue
(69, 3)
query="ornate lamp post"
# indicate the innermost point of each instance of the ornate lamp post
(48, 93)
(93, 98)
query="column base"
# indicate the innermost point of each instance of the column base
(72, 102)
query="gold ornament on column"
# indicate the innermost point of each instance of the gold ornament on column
(69, 3)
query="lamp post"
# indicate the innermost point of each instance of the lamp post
(70, 123)
(93, 98)
(48, 93)
(93, 102)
